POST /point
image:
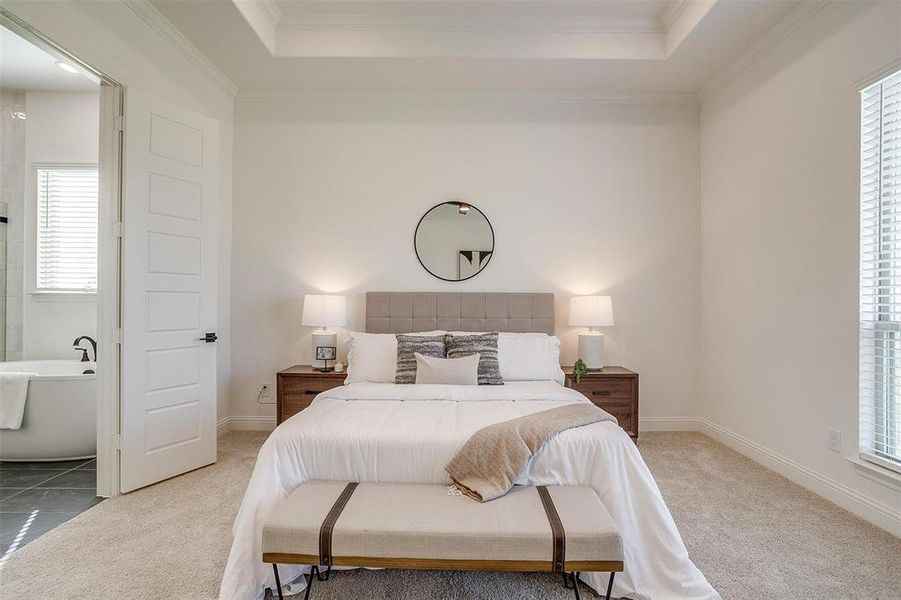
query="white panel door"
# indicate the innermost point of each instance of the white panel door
(170, 213)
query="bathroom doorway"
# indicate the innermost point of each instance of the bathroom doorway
(60, 151)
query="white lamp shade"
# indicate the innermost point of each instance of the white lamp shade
(591, 311)
(321, 310)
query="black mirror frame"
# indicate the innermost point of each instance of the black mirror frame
(419, 258)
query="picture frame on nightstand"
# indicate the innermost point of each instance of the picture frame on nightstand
(325, 354)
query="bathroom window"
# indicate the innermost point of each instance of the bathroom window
(66, 258)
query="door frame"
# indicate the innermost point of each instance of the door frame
(109, 246)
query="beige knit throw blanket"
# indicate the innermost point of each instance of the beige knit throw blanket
(490, 462)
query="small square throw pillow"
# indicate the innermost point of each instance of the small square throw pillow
(407, 345)
(447, 371)
(485, 345)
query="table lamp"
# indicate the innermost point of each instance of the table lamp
(324, 311)
(591, 312)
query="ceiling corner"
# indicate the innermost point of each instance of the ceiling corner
(271, 11)
(671, 12)
(263, 17)
(166, 30)
(683, 19)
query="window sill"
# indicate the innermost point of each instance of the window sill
(63, 296)
(874, 472)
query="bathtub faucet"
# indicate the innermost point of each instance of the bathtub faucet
(77, 345)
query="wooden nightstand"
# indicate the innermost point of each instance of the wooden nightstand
(615, 389)
(297, 386)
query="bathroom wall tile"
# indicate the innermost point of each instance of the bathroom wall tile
(12, 170)
(14, 254)
(12, 147)
(13, 341)
(13, 304)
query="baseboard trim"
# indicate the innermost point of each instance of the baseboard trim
(668, 424)
(884, 517)
(244, 423)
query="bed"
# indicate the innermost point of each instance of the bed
(406, 433)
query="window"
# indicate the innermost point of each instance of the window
(880, 272)
(66, 258)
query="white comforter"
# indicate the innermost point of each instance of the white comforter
(406, 433)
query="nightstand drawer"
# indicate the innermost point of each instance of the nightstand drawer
(614, 389)
(610, 390)
(292, 406)
(622, 412)
(299, 387)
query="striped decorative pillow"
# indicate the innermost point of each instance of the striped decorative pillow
(407, 346)
(485, 345)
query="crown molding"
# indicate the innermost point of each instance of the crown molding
(645, 98)
(775, 36)
(671, 12)
(180, 43)
(469, 24)
(878, 75)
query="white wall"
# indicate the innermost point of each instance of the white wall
(779, 252)
(117, 38)
(584, 198)
(62, 128)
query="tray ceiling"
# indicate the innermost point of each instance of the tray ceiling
(577, 46)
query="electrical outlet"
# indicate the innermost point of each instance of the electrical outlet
(264, 390)
(835, 440)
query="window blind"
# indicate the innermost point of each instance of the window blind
(67, 229)
(880, 272)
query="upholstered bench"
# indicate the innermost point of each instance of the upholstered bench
(563, 529)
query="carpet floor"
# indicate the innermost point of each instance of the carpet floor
(753, 533)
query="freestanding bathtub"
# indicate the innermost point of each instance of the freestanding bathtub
(60, 421)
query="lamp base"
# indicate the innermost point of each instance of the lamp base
(591, 350)
(324, 338)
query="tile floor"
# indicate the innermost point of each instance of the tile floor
(35, 497)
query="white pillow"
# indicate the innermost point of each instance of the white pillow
(447, 371)
(372, 357)
(528, 356)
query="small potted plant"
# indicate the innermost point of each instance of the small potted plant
(579, 369)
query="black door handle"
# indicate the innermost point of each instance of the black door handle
(209, 338)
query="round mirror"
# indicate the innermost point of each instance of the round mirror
(454, 241)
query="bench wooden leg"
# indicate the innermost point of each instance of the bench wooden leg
(278, 582)
(610, 585)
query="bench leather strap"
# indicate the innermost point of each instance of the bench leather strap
(556, 528)
(328, 525)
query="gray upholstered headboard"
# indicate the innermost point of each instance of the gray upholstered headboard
(404, 312)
